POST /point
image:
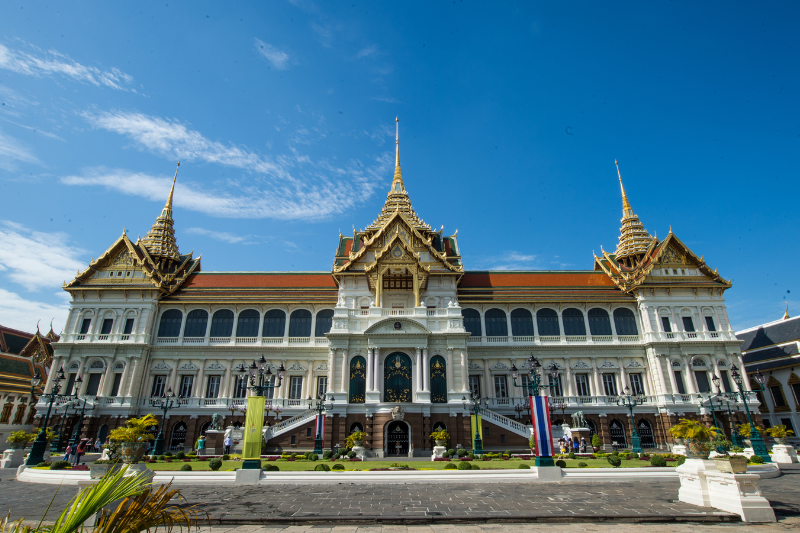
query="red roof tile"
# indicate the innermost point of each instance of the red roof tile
(588, 278)
(219, 280)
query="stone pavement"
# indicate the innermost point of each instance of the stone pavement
(321, 507)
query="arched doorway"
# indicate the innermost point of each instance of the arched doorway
(102, 435)
(617, 430)
(356, 426)
(645, 430)
(178, 438)
(438, 380)
(397, 378)
(592, 427)
(398, 439)
(358, 379)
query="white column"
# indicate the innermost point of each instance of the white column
(569, 390)
(671, 371)
(226, 382)
(331, 373)
(101, 387)
(425, 371)
(344, 384)
(199, 388)
(378, 371)
(57, 362)
(449, 370)
(487, 379)
(130, 376)
(688, 376)
(598, 385)
(417, 385)
(464, 371)
(311, 389)
(370, 367)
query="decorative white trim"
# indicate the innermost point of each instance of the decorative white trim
(580, 365)
(474, 366)
(161, 366)
(187, 366)
(635, 364)
(499, 366)
(322, 366)
(215, 366)
(296, 366)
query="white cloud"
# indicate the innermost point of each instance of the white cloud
(278, 58)
(368, 51)
(19, 313)
(509, 261)
(36, 259)
(54, 63)
(12, 151)
(223, 236)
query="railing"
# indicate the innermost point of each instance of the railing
(628, 338)
(358, 312)
(321, 341)
(397, 312)
(437, 312)
(237, 401)
(271, 340)
(219, 340)
(293, 402)
(81, 337)
(299, 340)
(124, 338)
(585, 399)
(193, 340)
(524, 339)
(213, 401)
(246, 340)
(289, 423)
(474, 340)
(602, 338)
(496, 340)
(669, 335)
(102, 337)
(576, 338)
(167, 340)
(505, 422)
(550, 338)
(691, 335)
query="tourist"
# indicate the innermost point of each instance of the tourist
(80, 451)
(576, 444)
(227, 444)
(98, 445)
(201, 444)
(583, 445)
(67, 453)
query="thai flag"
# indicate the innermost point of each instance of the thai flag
(542, 433)
(320, 429)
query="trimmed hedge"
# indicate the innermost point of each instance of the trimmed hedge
(186, 468)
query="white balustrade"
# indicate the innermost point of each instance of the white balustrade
(299, 340)
(219, 340)
(576, 338)
(246, 340)
(271, 340)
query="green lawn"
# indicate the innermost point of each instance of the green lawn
(303, 465)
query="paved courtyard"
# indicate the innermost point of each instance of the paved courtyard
(474, 507)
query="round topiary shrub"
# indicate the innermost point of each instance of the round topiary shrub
(561, 463)
(451, 452)
(658, 460)
(337, 466)
(523, 466)
(464, 466)
(226, 457)
(61, 465)
(161, 457)
(186, 468)
(180, 455)
(313, 457)
(755, 459)
(168, 454)
(450, 466)
(327, 455)
(475, 466)
(571, 455)
(582, 465)
(614, 460)
(215, 464)
(634, 455)
(293, 456)
(322, 467)
(351, 455)
(680, 460)
(45, 463)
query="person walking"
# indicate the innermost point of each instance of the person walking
(576, 444)
(227, 445)
(80, 451)
(583, 445)
(98, 445)
(67, 453)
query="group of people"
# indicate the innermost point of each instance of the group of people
(567, 444)
(74, 452)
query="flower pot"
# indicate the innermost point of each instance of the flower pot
(780, 440)
(732, 464)
(696, 449)
(98, 471)
(440, 442)
(358, 443)
(596, 448)
(17, 445)
(133, 452)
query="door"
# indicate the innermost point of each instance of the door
(617, 431)
(178, 438)
(645, 430)
(397, 378)
(397, 439)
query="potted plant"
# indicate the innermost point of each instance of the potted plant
(697, 437)
(133, 438)
(101, 467)
(596, 442)
(732, 464)
(19, 439)
(779, 434)
(356, 439)
(441, 437)
(744, 432)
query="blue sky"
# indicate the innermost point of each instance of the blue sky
(511, 116)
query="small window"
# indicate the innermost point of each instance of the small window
(710, 324)
(128, 326)
(502, 438)
(610, 384)
(128, 274)
(212, 390)
(777, 396)
(582, 382)
(688, 325)
(500, 387)
(475, 385)
(637, 386)
(108, 323)
(683, 272)
(294, 439)
(675, 271)
(296, 387)
(665, 324)
(308, 432)
(158, 386)
(115, 385)
(85, 326)
(679, 382)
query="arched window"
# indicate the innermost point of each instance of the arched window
(496, 325)
(599, 323)
(472, 322)
(645, 430)
(573, 322)
(592, 428)
(438, 380)
(274, 323)
(170, 325)
(300, 323)
(355, 426)
(547, 322)
(625, 322)
(521, 323)
(324, 322)
(178, 438)
(222, 323)
(196, 323)
(358, 379)
(397, 378)
(247, 325)
(102, 434)
(617, 431)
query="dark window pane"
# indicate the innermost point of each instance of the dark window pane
(665, 324)
(196, 323)
(496, 324)
(222, 323)
(85, 326)
(573, 322)
(115, 385)
(472, 322)
(625, 322)
(170, 325)
(300, 323)
(679, 382)
(777, 396)
(274, 323)
(599, 323)
(247, 324)
(521, 323)
(324, 322)
(702, 381)
(688, 325)
(710, 324)
(128, 327)
(547, 322)
(93, 385)
(108, 323)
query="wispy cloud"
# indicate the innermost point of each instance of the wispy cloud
(12, 151)
(21, 257)
(224, 236)
(23, 314)
(367, 51)
(278, 58)
(509, 261)
(53, 63)
(388, 100)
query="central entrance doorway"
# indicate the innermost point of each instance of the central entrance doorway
(397, 439)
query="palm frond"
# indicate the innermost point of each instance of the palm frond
(149, 511)
(7, 526)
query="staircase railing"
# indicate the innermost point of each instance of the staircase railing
(288, 424)
(507, 423)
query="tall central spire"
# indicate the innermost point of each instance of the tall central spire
(633, 239)
(398, 175)
(160, 240)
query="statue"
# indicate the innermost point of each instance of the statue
(216, 422)
(398, 412)
(577, 420)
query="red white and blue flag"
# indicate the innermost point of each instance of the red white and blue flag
(542, 432)
(320, 429)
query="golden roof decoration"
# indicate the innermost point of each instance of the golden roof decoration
(634, 240)
(160, 240)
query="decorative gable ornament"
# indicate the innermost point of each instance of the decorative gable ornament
(161, 366)
(608, 364)
(580, 365)
(296, 366)
(187, 366)
(635, 364)
(322, 366)
(215, 366)
(474, 366)
(499, 366)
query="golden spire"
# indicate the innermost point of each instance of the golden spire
(160, 240)
(786, 313)
(634, 239)
(398, 175)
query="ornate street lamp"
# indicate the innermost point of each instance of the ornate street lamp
(261, 377)
(40, 444)
(535, 382)
(519, 408)
(474, 404)
(736, 440)
(759, 448)
(165, 403)
(77, 433)
(320, 406)
(55, 446)
(629, 401)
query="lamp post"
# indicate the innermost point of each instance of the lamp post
(475, 402)
(77, 434)
(165, 403)
(759, 448)
(261, 377)
(39, 446)
(626, 400)
(735, 439)
(55, 446)
(320, 406)
(535, 382)
(710, 400)
(519, 408)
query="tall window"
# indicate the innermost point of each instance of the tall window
(557, 390)
(105, 329)
(274, 323)
(521, 323)
(322, 386)
(582, 383)
(128, 327)
(93, 384)
(196, 323)
(358, 379)
(526, 384)
(85, 326)
(496, 324)
(239, 387)
(70, 383)
(300, 323)
(222, 323)
(702, 381)
(777, 395)
(170, 325)
(547, 322)
(185, 390)
(665, 324)
(158, 385)
(472, 322)
(796, 390)
(637, 386)
(247, 324)
(688, 325)
(726, 382)
(573, 322)
(500, 387)
(610, 384)
(679, 382)
(438, 379)
(324, 322)
(599, 323)
(475, 385)
(115, 385)
(212, 389)
(397, 378)
(296, 387)
(710, 324)
(625, 322)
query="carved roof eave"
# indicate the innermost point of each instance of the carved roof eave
(379, 255)
(105, 256)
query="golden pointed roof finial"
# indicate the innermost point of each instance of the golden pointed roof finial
(626, 206)
(172, 190)
(160, 240)
(398, 175)
(786, 313)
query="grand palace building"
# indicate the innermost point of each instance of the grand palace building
(398, 320)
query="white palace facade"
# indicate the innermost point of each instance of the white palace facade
(397, 321)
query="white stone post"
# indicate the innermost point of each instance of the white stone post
(344, 384)
(464, 371)
(449, 370)
(370, 368)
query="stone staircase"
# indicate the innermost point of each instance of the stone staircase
(507, 423)
(289, 424)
